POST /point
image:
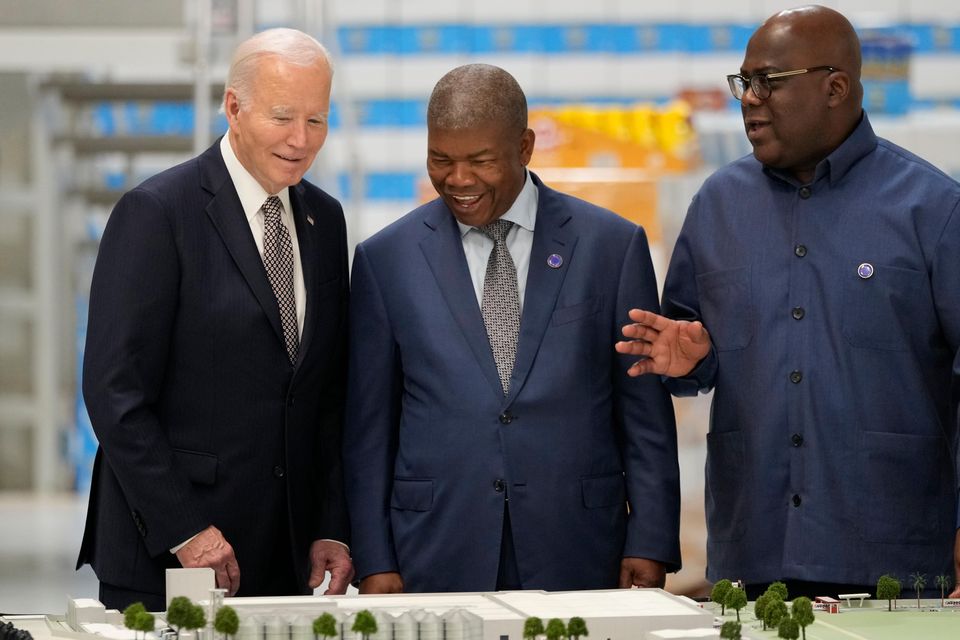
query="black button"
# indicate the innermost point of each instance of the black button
(800, 250)
(796, 377)
(796, 439)
(279, 472)
(805, 192)
(798, 313)
(499, 485)
(796, 500)
(506, 417)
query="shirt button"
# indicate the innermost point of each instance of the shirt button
(798, 313)
(796, 500)
(279, 472)
(796, 439)
(796, 377)
(800, 250)
(805, 192)
(506, 417)
(499, 485)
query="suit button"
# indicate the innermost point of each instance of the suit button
(798, 313)
(499, 485)
(805, 192)
(800, 250)
(506, 417)
(279, 472)
(796, 377)
(796, 500)
(796, 439)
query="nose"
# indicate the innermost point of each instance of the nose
(749, 97)
(460, 175)
(297, 134)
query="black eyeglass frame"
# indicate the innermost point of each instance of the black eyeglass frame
(760, 82)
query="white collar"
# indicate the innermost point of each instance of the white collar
(252, 195)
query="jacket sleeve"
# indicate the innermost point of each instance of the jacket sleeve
(133, 306)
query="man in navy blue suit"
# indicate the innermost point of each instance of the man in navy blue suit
(215, 356)
(493, 439)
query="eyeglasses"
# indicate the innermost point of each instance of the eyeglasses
(760, 82)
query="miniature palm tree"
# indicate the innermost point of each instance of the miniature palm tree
(730, 630)
(555, 629)
(226, 621)
(736, 600)
(719, 594)
(775, 611)
(919, 581)
(943, 582)
(576, 628)
(178, 613)
(532, 628)
(760, 608)
(130, 615)
(364, 624)
(802, 612)
(788, 629)
(325, 626)
(888, 588)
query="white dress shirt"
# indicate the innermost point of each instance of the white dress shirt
(477, 246)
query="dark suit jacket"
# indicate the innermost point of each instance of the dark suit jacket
(431, 445)
(200, 416)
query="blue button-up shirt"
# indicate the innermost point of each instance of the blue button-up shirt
(834, 311)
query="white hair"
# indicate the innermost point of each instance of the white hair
(293, 46)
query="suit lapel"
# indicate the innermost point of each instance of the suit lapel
(226, 213)
(551, 236)
(309, 263)
(443, 250)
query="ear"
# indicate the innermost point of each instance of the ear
(231, 107)
(526, 146)
(838, 88)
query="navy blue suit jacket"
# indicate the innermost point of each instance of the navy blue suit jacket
(201, 418)
(431, 442)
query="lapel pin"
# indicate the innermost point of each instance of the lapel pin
(310, 220)
(865, 270)
(554, 261)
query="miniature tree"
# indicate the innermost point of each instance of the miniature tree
(719, 594)
(325, 626)
(736, 600)
(775, 611)
(730, 630)
(760, 608)
(144, 622)
(779, 588)
(943, 582)
(919, 581)
(364, 624)
(196, 618)
(226, 621)
(788, 628)
(130, 615)
(802, 612)
(532, 628)
(576, 628)
(555, 629)
(888, 588)
(178, 613)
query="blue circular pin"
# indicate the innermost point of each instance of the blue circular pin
(554, 261)
(865, 270)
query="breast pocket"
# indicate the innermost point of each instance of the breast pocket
(879, 310)
(725, 306)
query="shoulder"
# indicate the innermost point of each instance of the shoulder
(412, 225)
(902, 160)
(588, 217)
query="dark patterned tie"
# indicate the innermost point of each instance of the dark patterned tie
(278, 260)
(500, 305)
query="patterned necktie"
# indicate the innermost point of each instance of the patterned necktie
(278, 260)
(500, 305)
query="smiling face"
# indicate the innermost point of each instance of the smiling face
(478, 171)
(278, 129)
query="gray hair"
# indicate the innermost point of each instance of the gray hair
(293, 46)
(477, 94)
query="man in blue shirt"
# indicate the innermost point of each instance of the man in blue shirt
(826, 267)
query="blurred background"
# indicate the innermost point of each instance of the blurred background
(628, 99)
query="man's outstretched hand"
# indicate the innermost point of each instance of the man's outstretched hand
(667, 347)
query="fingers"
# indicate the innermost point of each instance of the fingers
(228, 577)
(340, 578)
(327, 555)
(210, 549)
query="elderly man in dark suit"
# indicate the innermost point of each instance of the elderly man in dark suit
(215, 356)
(493, 439)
